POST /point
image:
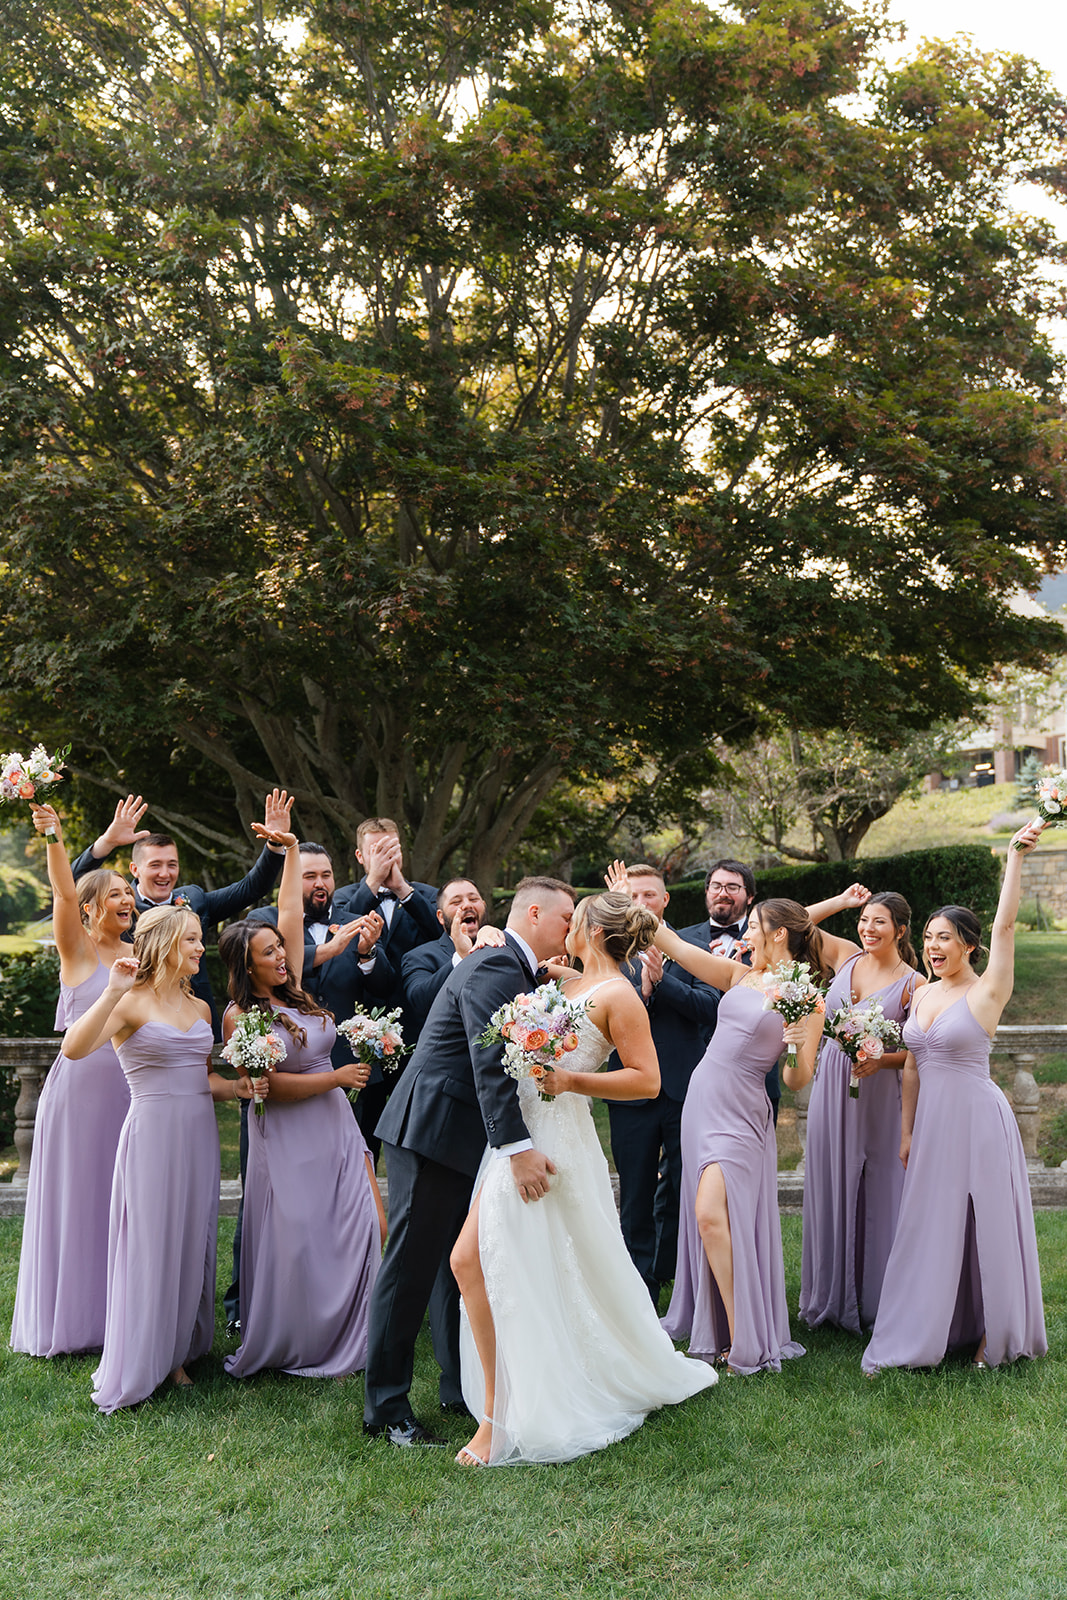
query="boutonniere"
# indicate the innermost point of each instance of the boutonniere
(335, 927)
(181, 901)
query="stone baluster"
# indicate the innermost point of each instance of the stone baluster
(30, 1060)
(1026, 1103)
(802, 1097)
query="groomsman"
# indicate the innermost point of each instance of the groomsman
(155, 869)
(681, 1012)
(409, 913)
(461, 913)
(452, 1096)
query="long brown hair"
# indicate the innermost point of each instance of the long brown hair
(804, 941)
(900, 911)
(234, 948)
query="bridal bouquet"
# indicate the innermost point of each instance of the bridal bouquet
(254, 1047)
(1051, 798)
(538, 1030)
(862, 1030)
(790, 990)
(374, 1036)
(29, 778)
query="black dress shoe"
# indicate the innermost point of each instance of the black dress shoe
(404, 1434)
(233, 1328)
(456, 1408)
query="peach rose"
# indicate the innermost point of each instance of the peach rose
(536, 1039)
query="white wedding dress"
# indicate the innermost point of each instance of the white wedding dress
(581, 1357)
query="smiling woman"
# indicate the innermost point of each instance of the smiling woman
(972, 1281)
(59, 1304)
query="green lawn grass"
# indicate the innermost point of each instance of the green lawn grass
(810, 1484)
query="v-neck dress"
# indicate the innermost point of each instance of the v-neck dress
(853, 1178)
(964, 1258)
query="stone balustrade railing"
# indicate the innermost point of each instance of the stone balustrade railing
(1022, 1046)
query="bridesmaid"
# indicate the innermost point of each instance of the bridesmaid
(729, 1289)
(62, 1284)
(314, 1224)
(853, 1176)
(164, 1200)
(970, 1280)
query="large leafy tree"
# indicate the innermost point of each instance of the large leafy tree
(421, 405)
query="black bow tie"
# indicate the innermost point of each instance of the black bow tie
(383, 895)
(731, 928)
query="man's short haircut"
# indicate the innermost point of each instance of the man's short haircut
(529, 890)
(459, 878)
(155, 841)
(744, 872)
(642, 869)
(375, 825)
(308, 847)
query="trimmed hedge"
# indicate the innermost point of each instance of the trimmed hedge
(29, 987)
(957, 874)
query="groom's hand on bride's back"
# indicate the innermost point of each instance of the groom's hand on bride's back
(531, 1171)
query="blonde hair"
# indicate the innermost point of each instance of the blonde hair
(626, 926)
(156, 941)
(92, 891)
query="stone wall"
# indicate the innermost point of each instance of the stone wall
(1045, 877)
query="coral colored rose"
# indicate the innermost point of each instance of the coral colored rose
(537, 1072)
(536, 1039)
(569, 1041)
(27, 791)
(820, 1006)
(507, 1029)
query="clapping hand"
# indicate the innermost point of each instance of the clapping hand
(651, 971)
(370, 931)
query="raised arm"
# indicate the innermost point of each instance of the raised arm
(715, 970)
(993, 990)
(108, 1018)
(838, 951)
(122, 832)
(290, 894)
(76, 954)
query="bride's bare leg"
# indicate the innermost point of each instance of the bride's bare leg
(713, 1223)
(466, 1263)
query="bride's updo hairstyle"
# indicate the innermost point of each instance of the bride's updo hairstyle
(900, 911)
(627, 928)
(804, 942)
(968, 929)
(155, 944)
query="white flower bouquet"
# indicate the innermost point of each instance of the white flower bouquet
(254, 1048)
(375, 1036)
(31, 777)
(1051, 798)
(791, 990)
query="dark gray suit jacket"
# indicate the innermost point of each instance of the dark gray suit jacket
(454, 1094)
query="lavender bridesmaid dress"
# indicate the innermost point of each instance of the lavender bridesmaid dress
(852, 1175)
(164, 1211)
(964, 1259)
(310, 1243)
(62, 1287)
(727, 1120)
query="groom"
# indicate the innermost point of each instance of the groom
(451, 1098)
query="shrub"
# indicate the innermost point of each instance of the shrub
(959, 874)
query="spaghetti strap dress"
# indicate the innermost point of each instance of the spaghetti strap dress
(853, 1177)
(964, 1259)
(164, 1213)
(310, 1244)
(727, 1121)
(62, 1284)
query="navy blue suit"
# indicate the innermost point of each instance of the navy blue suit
(424, 972)
(212, 906)
(681, 1012)
(452, 1096)
(413, 924)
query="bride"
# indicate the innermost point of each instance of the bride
(561, 1349)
